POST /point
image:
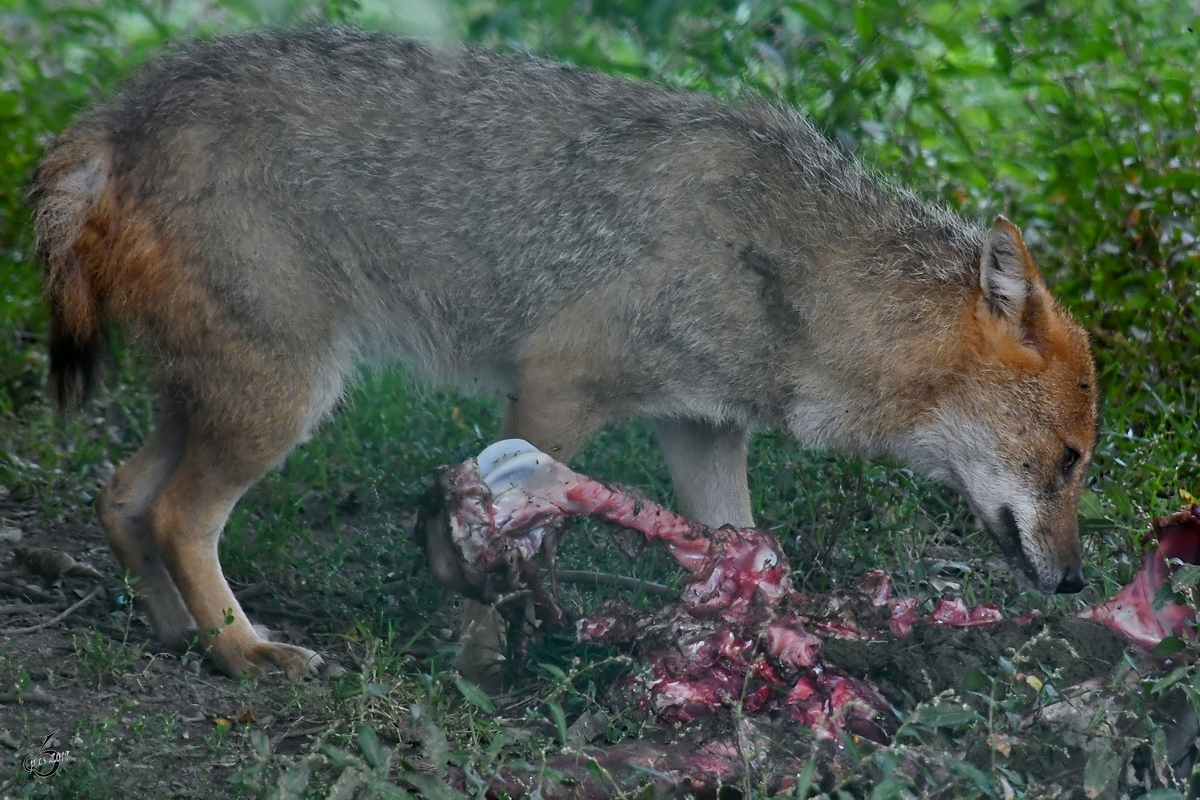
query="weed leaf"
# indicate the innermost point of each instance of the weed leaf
(475, 696)
(560, 720)
(1185, 577)
(434, 746)
(805, 778)
(261, 744)
(1167, 681)
(372, 749)
(946, 715)
(1165, 594)
(389, 791)
(1168, 646)
(430, 787)
(339, 756)
(1103, 766)
(292, 783)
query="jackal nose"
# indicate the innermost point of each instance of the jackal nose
(1071, 582)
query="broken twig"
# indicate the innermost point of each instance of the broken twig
(623, 581)
(35, 628)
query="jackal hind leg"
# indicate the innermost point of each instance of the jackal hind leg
(122, 509)
(236, 431)
(708, 470)
(557, 416)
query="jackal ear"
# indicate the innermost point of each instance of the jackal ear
(1007, 275)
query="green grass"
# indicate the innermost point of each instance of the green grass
(1079, 121)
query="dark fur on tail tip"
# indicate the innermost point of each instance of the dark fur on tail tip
(74, 368)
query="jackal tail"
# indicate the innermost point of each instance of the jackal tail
(67, 191)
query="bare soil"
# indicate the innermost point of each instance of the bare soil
(933, 660)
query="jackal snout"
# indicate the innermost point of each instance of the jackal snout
(1016, 437)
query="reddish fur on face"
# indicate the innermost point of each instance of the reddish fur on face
(1033, 365)
(1045, 343)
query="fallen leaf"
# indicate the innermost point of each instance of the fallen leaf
(588, 727)
(1000, 743)
(943, 586)
(1102, 770)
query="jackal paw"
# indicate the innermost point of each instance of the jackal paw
(271, 658)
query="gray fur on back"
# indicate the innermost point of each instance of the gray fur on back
(445, 203)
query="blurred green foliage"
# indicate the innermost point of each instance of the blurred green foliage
(1078, 120)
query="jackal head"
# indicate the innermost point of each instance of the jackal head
(1015, 434)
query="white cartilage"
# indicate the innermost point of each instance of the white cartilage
(511, 463)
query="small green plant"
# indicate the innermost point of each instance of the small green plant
(109, 657)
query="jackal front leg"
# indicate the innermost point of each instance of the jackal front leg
(708, 470)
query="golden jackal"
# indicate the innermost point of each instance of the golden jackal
(259, 211)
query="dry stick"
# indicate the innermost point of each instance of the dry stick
(35, 628)
(578, 576)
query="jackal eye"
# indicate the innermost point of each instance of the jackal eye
(1070, 458)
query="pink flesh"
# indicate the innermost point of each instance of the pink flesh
(740, 633)
(1131, 611)
(736, 635)
(953, 612)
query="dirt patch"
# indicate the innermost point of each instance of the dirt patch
(933, 659)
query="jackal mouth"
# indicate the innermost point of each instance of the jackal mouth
(1007, 534)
